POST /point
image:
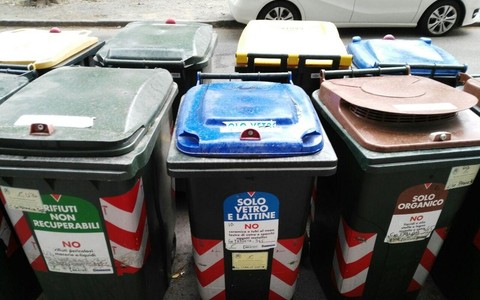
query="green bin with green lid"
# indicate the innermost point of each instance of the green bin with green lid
(84, 183)
(408, 152)
(183, 48)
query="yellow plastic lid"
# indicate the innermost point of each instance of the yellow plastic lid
(292, 38)
(42, 48)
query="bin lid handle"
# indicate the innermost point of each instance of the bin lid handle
(250, 135)
(41, 129)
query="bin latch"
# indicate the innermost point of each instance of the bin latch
(250, 135)
(440, 136)
(41, 129)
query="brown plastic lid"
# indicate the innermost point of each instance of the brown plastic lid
(402, 95)
(400, 113)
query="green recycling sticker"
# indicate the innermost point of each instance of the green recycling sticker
(71, 235)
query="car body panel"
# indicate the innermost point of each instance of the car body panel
(385, 11)
(355, 13)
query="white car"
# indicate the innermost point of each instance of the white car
(432, 17)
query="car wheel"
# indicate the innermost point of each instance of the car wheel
(279, 10)
(440, 18)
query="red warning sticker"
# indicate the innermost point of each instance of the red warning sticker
(416, 213)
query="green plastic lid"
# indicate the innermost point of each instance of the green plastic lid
(158, 44)
(75, 111)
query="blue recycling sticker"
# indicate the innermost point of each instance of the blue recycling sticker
(251, 206)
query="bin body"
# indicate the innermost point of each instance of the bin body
(15, 270)
(83, 180)
(457, 270)
(303, 47)
(47, 49)
(385, 214)
(248, 205)
(424, 58)
(181, 48)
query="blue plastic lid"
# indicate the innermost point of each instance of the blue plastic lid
(390, 51)
(247, 119)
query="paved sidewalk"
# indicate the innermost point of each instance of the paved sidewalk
(113, 12)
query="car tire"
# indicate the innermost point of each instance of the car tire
(279, 10)
(440, 18)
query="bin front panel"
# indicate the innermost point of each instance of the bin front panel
(292, 38)
(374, 52)
(100, 239)
(248, 232)
(84, 109)
(42, 48)
(400, 113)
(186, 44)
(248, 119)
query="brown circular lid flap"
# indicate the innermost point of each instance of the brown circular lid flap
(402, 95)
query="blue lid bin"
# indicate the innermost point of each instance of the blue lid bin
(83, 180)
(424, 58)
(249, 151)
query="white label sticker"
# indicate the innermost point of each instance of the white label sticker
(60, 121)
(239, 126)
(22, 199)
(416, 213)
(413, 227)
(80, 253)
(424, 106)
(249, 260)
(70, 235)
(462, 176)
(251, 221)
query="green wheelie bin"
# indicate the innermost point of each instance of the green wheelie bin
(83, 180)
(408, 152)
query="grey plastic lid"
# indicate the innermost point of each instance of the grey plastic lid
(75, 111)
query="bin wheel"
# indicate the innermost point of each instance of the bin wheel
(279, 10)
(440, 18)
